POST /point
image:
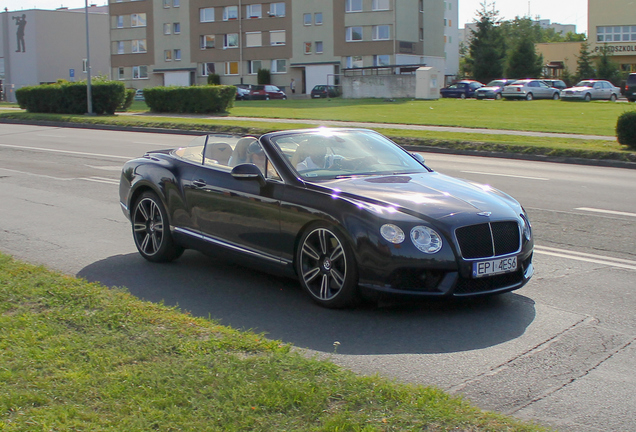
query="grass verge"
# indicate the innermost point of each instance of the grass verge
(79, 356)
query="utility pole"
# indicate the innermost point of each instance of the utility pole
(89, 95)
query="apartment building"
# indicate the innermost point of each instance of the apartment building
(612, 23)
(181, 42)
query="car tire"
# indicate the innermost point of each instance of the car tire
(267, 97)
(463, 96)
(588, 97)
(556, 96)
(326, 267)
(613, 97)
(151, 229)
(529, 97)
(498, 96)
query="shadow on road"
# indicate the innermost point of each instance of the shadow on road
(247, 299)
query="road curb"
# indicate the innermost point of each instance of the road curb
(419, 148)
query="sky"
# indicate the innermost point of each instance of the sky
(559, 11)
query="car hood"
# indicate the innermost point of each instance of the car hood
(581, 88)
(492, 88)
(425, 195)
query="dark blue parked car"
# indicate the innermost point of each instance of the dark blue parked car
(461, 89)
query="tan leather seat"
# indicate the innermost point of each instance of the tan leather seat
(218, 153)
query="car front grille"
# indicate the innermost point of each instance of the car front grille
(488, 239)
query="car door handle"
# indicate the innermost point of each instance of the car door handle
(199, 183)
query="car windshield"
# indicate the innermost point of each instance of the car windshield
(329, 154)
(495, 83)
(585, 84)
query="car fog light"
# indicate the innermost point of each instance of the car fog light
(392, 233)
(426, 239)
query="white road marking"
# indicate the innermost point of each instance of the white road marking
(99, 180)
(52, 136)
(151, 143)
(580, 256)
(507, 175)
(93, 179)
(105, 168)
(612, 212)
(65, 151)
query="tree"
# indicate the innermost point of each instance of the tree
(606, 68)
(523, 61)
(585, 68)
(487, 48)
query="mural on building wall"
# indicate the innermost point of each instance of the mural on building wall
(21, 22)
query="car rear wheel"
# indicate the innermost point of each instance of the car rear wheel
(498, 96)
(588, 97)
(529, 96)
(555, 96)
(326, 267)
(613, 98)
(151, 230)
(463, 96)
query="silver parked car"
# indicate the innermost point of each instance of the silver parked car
(529, 89)
(592, 89)
(493, 89)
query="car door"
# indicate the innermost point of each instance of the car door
(236, 213)
(543, 90)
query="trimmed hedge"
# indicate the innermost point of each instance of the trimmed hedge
(626, 129)
(70, 98)
(194, 99)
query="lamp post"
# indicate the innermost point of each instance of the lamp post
(89, 95)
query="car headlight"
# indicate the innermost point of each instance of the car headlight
(426, 239)
(526, 228)
(392, 233)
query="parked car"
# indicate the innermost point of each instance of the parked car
(347, 212)
(139, 95)
(630, 87)
(493, 89)
(323, 91)
(461, 89)
(592, 89)
(242, 91)
(266, 92)
(560, 84)
(529, 89)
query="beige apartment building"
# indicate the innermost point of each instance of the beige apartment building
(181, 42)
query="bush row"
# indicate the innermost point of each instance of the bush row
(626, 129)
(195, 99)
(70, 98)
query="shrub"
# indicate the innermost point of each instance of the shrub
(214, 79)
(194, 99)
(626, 129)
(71, 98)
(128, 100)
(264, 76)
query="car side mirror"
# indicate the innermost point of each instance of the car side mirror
(418, 157)
(248, 171)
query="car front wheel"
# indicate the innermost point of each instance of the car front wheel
(529, 96)
(151, 230)
(588, 97)
(555, 96)
(326, 267)
(498, 96)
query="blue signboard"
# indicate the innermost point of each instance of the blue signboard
(71, 72)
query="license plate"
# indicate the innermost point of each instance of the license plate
(493, 267)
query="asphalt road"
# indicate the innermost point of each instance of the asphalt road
(560, 351)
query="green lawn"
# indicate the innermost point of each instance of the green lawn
(76, 356)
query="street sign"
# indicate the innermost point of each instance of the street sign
(71, 72)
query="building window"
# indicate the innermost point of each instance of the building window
(277, 9)
(279, 66)
(354, 62)
(450, 22)
(354, 34)
(206, 15)
(140, 72)
(421, 34)
(277, 37)
(84, 65)
(318, 18)
(254, 11)
(307, 19)
(421, 5)
(254, 66)
(167, 55)
(120, 47)
(381, 60)
(166, 4)
(231, 68)
(120, 73)
(380, 5)
(230, 40)
(139, 46)
(207, 42)
(177, 54)
(230, 13)
(381, 32)
(138, 20)
(318, 47)
(167, 28)
(120, 21)
(353, 5)
(307, 47)
(176, 3)
(253, 39)
(616, 34)
(176, 28)
(207, 69)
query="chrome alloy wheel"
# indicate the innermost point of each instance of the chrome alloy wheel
(148, 226)
(323, 264)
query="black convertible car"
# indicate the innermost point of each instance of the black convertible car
(346, 211)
